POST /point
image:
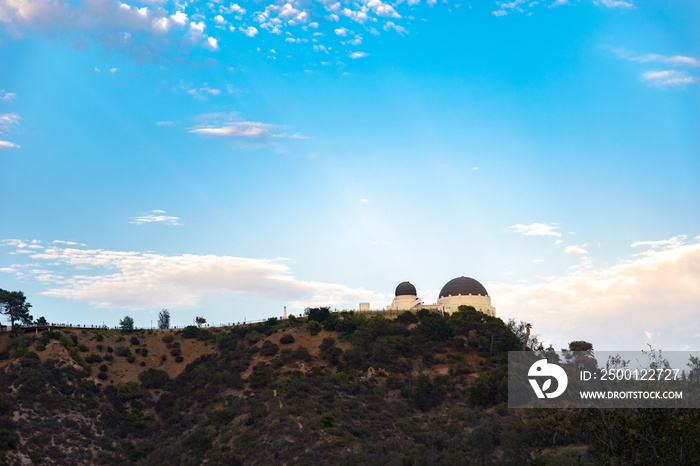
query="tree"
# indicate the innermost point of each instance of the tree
(200, 321)
(319, 314)
(14, 305)
(164, 319)
(41, 321)
(127, 324)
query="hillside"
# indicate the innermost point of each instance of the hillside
(356, 390)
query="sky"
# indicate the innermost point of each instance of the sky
(225, 160)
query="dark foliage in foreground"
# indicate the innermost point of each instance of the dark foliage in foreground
(417, 390)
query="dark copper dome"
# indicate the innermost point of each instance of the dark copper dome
(406, 289)
(462, 286)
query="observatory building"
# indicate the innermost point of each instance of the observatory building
(460, 291)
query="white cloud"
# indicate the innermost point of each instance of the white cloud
(7, 122)
(155, 216)
(668, 78)
(7, 96)
(249, 31)
(535, 229)
(138, 280)
(212, 44)
(678, 60)
(382, 9)
(612, 307)
(400, 29)
(574, 249)
(230, 125)
(342, 32)
(614, 3)
(179, 18)
(673, 242)
(8, 145)
(356, 55)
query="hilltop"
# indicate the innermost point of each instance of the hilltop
(353, 390)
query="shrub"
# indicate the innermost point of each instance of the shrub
(131, 358)
(103, 368)
(314, 327)
(122, 351)
(287, 339)
(190, 332)
(179, 359)
(83, 349)
(407, 318)
(128, 390)
(327, 343)
(99, 337)
(301, 353)
(168, 338)
(40, 346)
(93, 358)
(102, 376)
(108, 357)
(134, 340)
(65, 341)
(177, 351)
(269, 349)
(154, 378)
(318, 314)
(144, 352)
(261, 376)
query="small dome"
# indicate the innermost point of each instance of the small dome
(462, 286)
(406, 289)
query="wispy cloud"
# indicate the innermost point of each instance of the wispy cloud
(140, 280)
(575, 249)
(7, 96)
(7, 122)
(614, 3)
(356, 55)
(231, 125)
(535, 229)
(667, 78)
(155, 216)
(663, 78)
(8, 145)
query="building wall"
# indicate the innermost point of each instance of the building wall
(405, 302)
(451, 304)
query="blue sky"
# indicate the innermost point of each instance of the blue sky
(227, 159)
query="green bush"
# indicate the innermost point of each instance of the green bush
(93, 358)
(131, 358)
(269, 349)
(128, 390)
(134, 340)
(190, 332)
(177, 351)
(287, 339)
(314, 327)
(154, 378)
(102, 376)
(179, 359)
(103, 368)
(40, 346)
(168, 338)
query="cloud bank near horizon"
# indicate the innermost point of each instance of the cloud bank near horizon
(651, 297)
